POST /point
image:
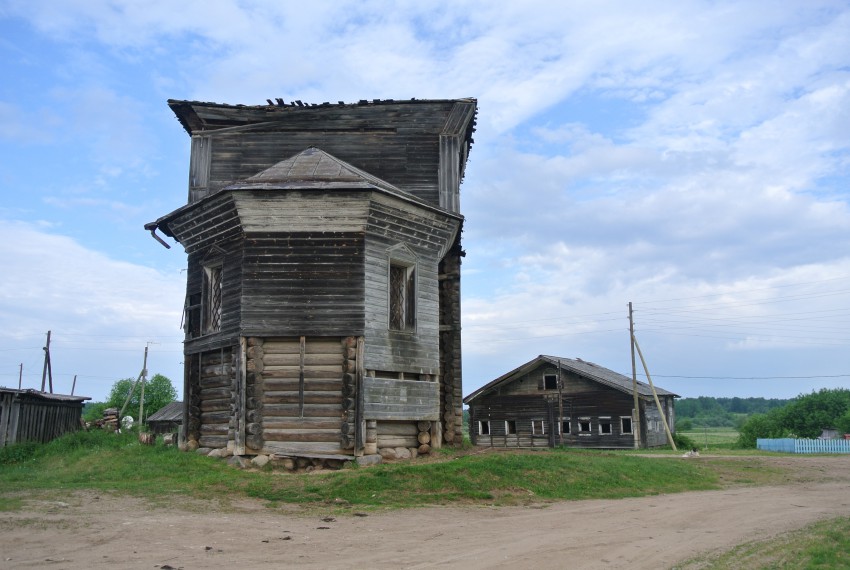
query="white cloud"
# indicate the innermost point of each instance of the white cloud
(102, 311)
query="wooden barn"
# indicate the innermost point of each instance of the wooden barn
(30, 415)
(167, 419)
(322, 314)
(533, 405)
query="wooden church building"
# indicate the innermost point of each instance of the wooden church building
(550, 398)
(322, 313)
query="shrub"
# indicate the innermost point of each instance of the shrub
(18, 452)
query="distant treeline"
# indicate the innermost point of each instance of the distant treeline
(721, 412)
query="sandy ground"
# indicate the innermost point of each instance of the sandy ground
(85, 531)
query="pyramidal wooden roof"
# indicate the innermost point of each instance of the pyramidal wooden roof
(314, 168)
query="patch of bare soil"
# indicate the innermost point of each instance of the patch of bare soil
(84, 531)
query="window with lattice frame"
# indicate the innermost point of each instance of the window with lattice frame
(212, 299)
(402, 297)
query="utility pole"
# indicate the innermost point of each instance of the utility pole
(560, 405)
(655, 395)
(142, 397)
(48, 371)
(74, 385)
(20, 374)
(636, 409)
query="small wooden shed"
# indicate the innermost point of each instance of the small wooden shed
(167, 419)
(322, 312)
(31, 415)
(592, 406)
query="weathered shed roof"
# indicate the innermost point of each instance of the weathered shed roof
(45, 395)
(578, 366)
(169, 413)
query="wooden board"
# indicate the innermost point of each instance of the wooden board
(400, 399)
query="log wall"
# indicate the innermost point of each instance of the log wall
(451, 384)
(212, 419)
(307, 387)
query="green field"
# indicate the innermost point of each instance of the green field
(707, 438)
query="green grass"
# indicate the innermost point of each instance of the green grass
(712, 438)
(823, 545)
(105, 462)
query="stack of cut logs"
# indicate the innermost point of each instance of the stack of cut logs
(110, 419)
(399, 440)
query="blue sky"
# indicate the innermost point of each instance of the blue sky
(690, 157)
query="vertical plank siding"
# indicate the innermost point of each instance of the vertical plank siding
(791, 445)
(27, 415)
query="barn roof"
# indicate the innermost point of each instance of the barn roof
(169, 413)
(578, 366)
(45, 395)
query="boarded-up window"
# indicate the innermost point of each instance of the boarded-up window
(211, 303)
(402, 297)
(625, 424)
(538, 427)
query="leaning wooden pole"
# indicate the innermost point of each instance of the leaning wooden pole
(142, 397)
(655, 395)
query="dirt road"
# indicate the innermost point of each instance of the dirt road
(84, 531)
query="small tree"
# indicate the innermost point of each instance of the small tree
(158, 393)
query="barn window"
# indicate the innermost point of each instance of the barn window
(538, 427)
(565, 426)
(625, 424)
(550, 382)
(211, 302)
(402, 297)
(584, 426)
(484, 427)
(510, 427)
(605, 425)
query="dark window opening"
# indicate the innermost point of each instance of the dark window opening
(625, 425)
(484, 427)
(605, 427)
(510, 427)
(584, 425)
(550, 382)
(565, 426)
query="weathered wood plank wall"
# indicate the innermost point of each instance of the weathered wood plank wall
(304, 404)
(30, 417)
